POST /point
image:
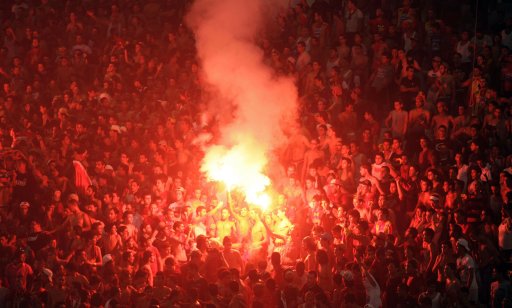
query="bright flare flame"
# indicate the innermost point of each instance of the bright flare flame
(253, 103)
(239, 167)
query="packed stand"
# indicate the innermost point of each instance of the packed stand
(395, 188)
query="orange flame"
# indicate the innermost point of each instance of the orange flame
(240, 167)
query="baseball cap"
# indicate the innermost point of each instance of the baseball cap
(434, 197)
(48, 273)
(464, 243)
(106, 258)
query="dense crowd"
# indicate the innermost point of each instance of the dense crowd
(393, 190)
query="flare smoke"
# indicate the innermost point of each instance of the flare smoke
(226, 32)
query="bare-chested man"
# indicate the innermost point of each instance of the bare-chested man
(243, 223)
(313, 154)
(75, 218)
(225, 227)
(233, 257)
(258, 237)
(442, 118)
(297, 146)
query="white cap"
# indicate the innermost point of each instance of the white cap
(106, 258)
(464, 243)
(48, 273)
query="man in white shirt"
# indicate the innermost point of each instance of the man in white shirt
(506, 34)
(303, 59)
(466, 266)
(353, 18)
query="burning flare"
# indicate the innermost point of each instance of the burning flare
(239, 168)
(226, 32)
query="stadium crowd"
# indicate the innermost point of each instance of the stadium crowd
(395, 188)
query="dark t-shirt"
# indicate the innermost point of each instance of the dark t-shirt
(443, 152)
(435, 44)
(409, 83)
(411, 196)
(383, 77)
(366, 148)
(391, 290)
(24, 188)
(408, 98)
(290, 294)
(38, 241)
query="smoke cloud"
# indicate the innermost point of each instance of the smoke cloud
(226, 32)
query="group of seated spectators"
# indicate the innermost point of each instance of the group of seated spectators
(394, 188)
